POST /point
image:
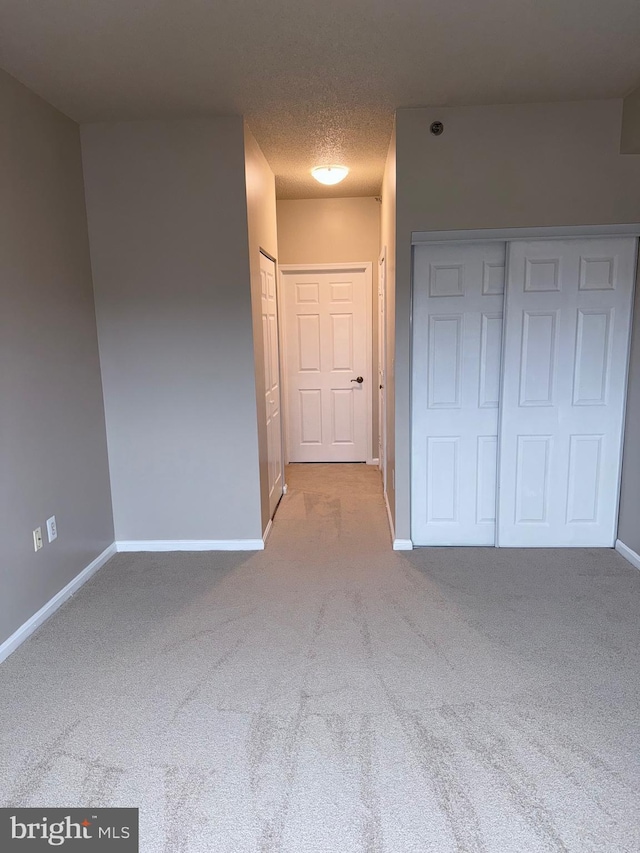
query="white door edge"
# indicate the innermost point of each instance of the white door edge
(382, 359)
(634, 296)
(505, 314)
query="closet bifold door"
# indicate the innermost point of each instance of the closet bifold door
(566, 344)
(458, 294)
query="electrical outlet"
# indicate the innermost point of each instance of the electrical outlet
(37, 539)
(52, 528)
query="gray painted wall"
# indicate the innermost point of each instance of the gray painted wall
(629, 522)
(168, 227)
(53, 453)
(496, 167)
(630, 135)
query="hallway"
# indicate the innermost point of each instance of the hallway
(328, 695)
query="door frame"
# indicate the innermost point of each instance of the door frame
(505, 235)
(291, 269)
(382, 365)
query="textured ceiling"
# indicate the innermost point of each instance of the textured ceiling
(317, 81)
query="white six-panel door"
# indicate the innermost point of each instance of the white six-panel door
(326, 351)
(272, 379)
(568, 318)
(457, 334)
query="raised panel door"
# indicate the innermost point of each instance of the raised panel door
(568, 318)
(457, 345)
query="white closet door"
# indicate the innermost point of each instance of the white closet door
(568, 318)
(457, 337)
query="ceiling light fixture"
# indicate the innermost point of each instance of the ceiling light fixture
(330, 174)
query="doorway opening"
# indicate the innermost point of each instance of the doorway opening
(330, 331)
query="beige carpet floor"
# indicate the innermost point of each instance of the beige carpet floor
(331, 696)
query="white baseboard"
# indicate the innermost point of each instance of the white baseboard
(628, 553)
(18, 637)
(267, 531)
(389, 516)
(398, 544)
(190, 545)
(374, 461)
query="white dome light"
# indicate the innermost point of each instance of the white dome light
(330, 174)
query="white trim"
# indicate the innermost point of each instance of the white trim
(389, 516)
(33, 623)
(374, 461)
(267, 530)
(368, 281)
(398, 544)
(553, 232)
(367, 268)
(625, 398)
(348, 266)
(505, 309)
(382, 364)
(284, 379)
(190, 545)
(629, 554)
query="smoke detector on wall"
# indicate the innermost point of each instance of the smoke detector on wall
(330, 174)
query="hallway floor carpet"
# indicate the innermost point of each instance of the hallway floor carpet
(328, 695)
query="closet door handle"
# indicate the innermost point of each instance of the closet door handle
(359, 380)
